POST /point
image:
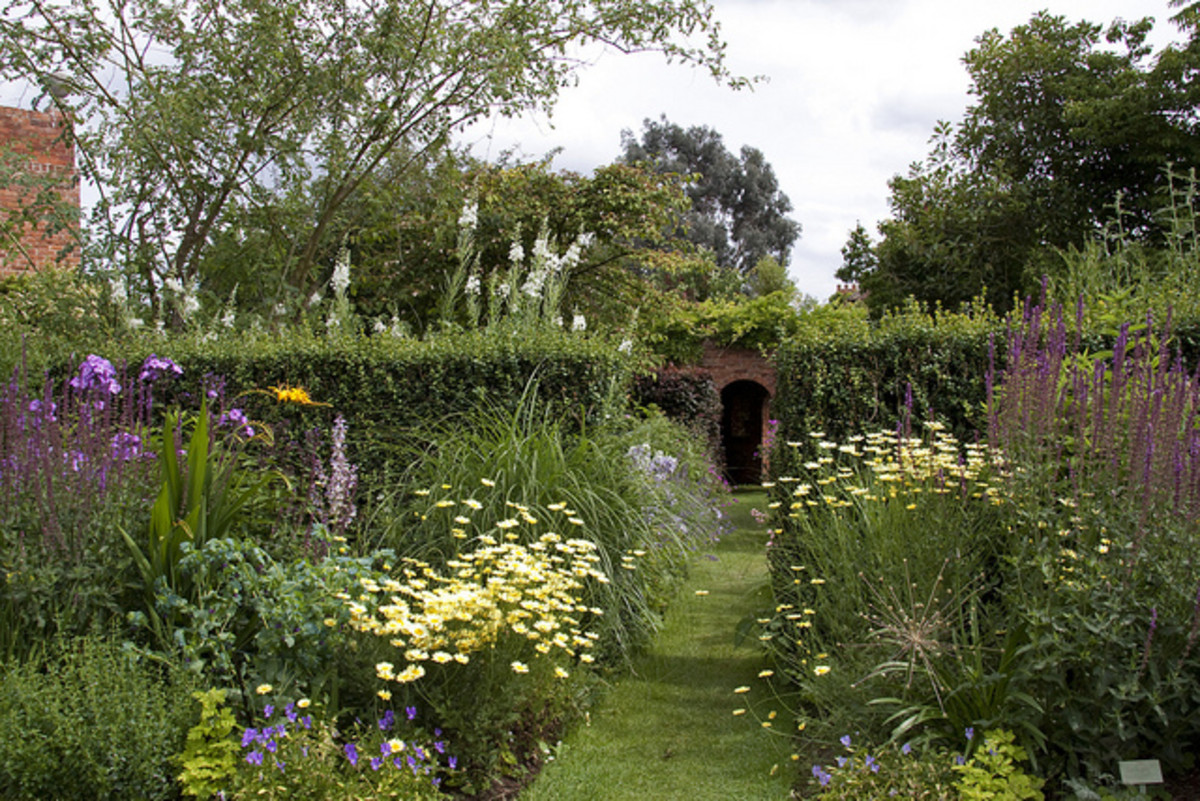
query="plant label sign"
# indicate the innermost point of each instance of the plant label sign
(1141, 771)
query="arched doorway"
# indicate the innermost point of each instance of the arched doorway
(744, 405)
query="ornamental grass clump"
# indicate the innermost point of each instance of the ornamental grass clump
(885, 547)
(530, 462)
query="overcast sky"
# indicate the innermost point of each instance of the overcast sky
(855, 89)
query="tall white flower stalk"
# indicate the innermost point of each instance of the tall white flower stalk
(460, 280)
(527, 291)
(340, 320)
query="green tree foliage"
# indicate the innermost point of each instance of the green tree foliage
(1072, 130)
(738, 211)
(196, 118)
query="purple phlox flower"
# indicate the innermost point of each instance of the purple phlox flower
(960, 760)
(398, 762)
(388, 720)
(272, 746)
(440, 747)
(841, 761)
(970, 732)
(452, 762)
(351, 753)
(280, 765)
(254, 757)
(376, 763)
(411, 712)
(412, 764)
(906, 748)
(823, 776)
(290, 712)
(248, 736)
(385, 748)
(238, 420)
(156, 367)
(306, 721)
(96, 373)
(845, 740)
(870, 762)
(268, 710)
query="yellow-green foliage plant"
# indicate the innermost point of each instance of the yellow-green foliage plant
(993, 771)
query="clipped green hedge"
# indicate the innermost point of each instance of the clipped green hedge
(386, 387)
(845, 374)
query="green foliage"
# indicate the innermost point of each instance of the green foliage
(738, 213)
(295, 753)
(906, 620)
(538, 463)
(50, 315)
(91, 720)
(254, 619)
(387, 387)
(993, 772)
(759, 323)
(840, 374)
(203, 501)
(1071, 131)
(273, 117)
(686, 396)
(208, 760)
(890, 772)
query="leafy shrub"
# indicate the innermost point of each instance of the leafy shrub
(385, 387)
(254, 619)
(688, 397)
(988, 771)
(91, 721)
(49, 316)
(890, 772)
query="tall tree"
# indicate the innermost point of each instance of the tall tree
(190, 114)
(738, 211)
(1072, 128)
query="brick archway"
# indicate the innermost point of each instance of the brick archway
(746, 380)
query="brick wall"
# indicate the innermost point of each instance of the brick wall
(730, 365)
(38, 137)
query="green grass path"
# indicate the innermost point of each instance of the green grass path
(668, 731)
